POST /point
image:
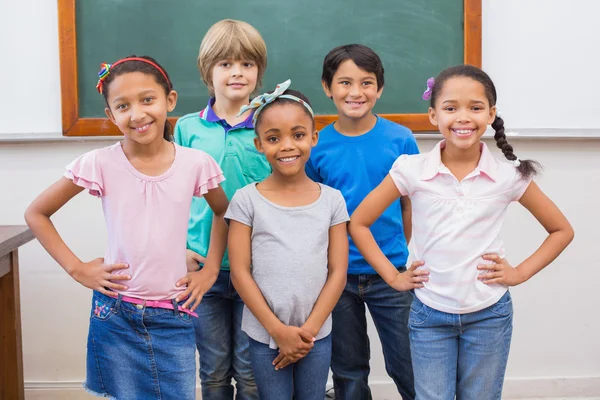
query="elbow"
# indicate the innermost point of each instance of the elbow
(29, 216)
(352, 228)
(356, 227)
(343, 280)
(570, 234)
(235, 276)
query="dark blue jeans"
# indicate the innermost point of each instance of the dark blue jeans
(351, 353)
(222, 345)
(304, 380)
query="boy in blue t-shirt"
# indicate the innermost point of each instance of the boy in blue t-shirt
(354, 155)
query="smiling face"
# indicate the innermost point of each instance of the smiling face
(353, 90)
(462, 112)
(234, 80)
(286, 135)
(138, 105)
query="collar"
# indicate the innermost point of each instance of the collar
(209, 115)
(434, 166)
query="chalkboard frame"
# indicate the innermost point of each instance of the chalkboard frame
(75, 125)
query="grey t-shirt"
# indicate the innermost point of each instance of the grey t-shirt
(289, 254)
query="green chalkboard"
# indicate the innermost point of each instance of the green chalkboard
(415, 39)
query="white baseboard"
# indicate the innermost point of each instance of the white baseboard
(571, 387)
(514, 388)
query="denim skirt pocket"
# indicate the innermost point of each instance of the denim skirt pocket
(103, 307)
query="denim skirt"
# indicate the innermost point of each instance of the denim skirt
(138, 352)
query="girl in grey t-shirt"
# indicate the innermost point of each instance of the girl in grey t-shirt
(288, 251)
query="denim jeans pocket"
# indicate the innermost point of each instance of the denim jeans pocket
(419, 312)
(503, 307)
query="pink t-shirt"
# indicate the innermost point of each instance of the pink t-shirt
(457, 222)
(146, 216)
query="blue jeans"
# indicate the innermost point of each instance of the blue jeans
(136, 352)
(222, 345)
(460, 354)
(304, 380)
(351, 353)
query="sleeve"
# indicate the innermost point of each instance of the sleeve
(178, 135)
(339, 213)
(85, 171)
(312, 172)
(400, 172)
(209, 176)
(240, 209)
(520, 186)
(410, 146)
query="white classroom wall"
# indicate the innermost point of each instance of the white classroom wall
(543, 56)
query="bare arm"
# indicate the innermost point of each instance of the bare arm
(406, 217)
(361, 220)
(291, 340)
(95, 274)
(560, 234)
(336, 279)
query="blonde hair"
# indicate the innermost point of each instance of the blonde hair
(231, 39)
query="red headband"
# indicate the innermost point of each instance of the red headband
(105, 70)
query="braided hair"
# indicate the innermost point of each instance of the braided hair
(527, 168)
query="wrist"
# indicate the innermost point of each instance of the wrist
(311, 328)
(391, 276)
(212, 269)
(522, 275)
(73, 267)
(275, 329)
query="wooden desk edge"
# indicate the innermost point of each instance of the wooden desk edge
(18, 235)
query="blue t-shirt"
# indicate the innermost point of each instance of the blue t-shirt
(355, 165)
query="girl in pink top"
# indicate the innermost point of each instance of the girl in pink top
(461, 318)
(141, 338)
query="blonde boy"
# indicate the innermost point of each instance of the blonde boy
(232, 61)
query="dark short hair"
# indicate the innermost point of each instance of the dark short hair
(364, 58)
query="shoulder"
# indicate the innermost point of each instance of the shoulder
(331, 194)
(326, 134)
(245, 191)
(194, 157)
(329, 191)
(244, 195)
(189, 119)
(506, 171)
(103, 154)
(392, 127)
(410, 163)
(194, 121)
(395, 133)
(191, 153)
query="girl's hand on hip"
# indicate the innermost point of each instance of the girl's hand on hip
(499, 272)
(99, 276)
(412, 278)
(198, 283)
